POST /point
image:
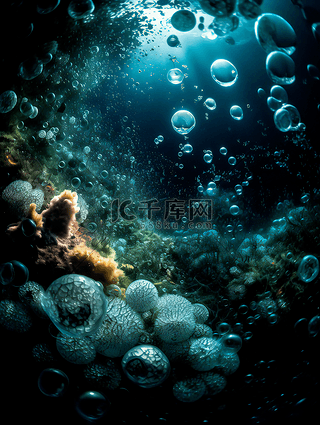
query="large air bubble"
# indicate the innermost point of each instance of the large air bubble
(308, 268)
(183, 122)
(79, 9)
(279, 93)
(249, 9)
(173, 41)
(314, 72)
(236, 112)
(210, 103)
(175, 76)
(275, 33)
(8, 101)
(273, 103)
(280, 68)
(47, 6)
(224, 72)
(183, 20)
(287, 118)
(30, 68)
(262, 93)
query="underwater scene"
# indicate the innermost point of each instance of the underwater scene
(160, 211)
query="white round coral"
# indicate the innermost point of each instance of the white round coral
(120, 331)
(175, 320)
(142, 295)
(204, 353)
(19, 195)
(75, 350)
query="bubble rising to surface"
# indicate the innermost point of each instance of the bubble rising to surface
(314, 326)
(175, 76)
(92, 405)
(308, 268)
(183, 20)
(236, 112)
(280, 68)
(173, 41)
(224, 72)
(8, 101)
(274, 33)
(53, 382)
(183, 122)
(210, 103)
(80, 9)
(287, 118)
(30, 68)
(231, 343)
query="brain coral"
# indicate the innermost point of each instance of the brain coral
(120, 331)
(175, 321)
(142, 295)
(204, 353)
(14, 316)
(75, 350)
(19, 195)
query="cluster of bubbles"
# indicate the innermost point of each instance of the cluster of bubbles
(278, 39)
(33, 66)
(286, 116)
(210, 190)
(225, 74)
(27, 109)
(159, 139)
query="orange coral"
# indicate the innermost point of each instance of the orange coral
(59, 219)
(90, 263)
(60, 216)
(37, 218)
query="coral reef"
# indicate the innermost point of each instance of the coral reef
(57, 247)
(60, 217)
